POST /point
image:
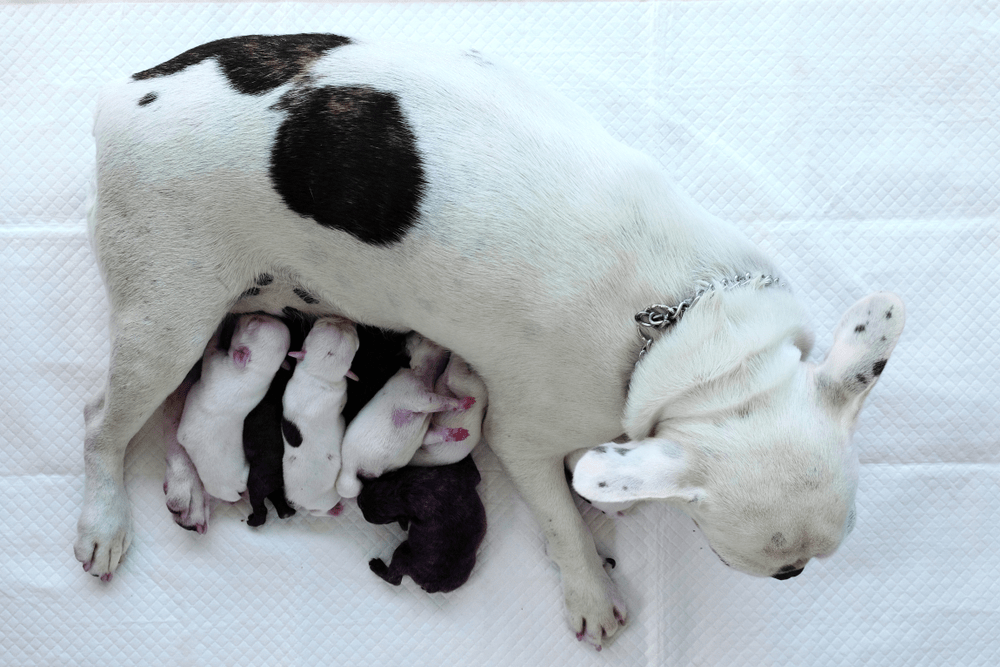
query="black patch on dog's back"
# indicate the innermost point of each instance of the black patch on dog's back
(346, 157)
(253, 64)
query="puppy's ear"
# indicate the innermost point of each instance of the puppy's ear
(862, 343)
(652, 469)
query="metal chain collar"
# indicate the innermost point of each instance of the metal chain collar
(661, 317)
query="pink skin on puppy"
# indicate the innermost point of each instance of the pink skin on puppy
(232, 383)
(312, 424)
(452, 435)
(392, 426)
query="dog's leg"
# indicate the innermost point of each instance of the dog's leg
(186, 497)
(281, 505)
(162, 315)
(399, 565)
(595, 607)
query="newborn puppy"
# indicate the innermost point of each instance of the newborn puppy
(452, 435)
(232, 383)
(264, 448)
(445, 518)
(313, 425)
(390, 428)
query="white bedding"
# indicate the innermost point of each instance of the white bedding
(857, 142)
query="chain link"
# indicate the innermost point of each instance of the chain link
(660, 317)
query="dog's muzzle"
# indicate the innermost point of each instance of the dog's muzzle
(788, 575)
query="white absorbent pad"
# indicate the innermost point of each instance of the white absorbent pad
(857, 142)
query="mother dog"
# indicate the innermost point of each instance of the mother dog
(445, 193)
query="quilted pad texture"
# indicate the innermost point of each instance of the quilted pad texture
(856, 142)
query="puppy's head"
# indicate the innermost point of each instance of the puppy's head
(260, 340)
(330, 347)
(770, 478)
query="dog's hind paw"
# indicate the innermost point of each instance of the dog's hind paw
(187, 500)
(104, 533)
(596, 612)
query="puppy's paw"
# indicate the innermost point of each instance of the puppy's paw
(187, 500)
(104, 533)
(596, 609)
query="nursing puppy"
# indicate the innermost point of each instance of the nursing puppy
(313, 425)
(264, 449)
(232, 383)
(453, 434)
(445, 193)
(444, 517)
(392, 426)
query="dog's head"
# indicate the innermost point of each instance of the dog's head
(757, 449)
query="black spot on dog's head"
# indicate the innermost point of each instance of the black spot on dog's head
(879, 366)
(888, 314)
(253, 64)
(148, 98)
(253, 291)
(373, 187)
(602, 484)
(291, 432)
(305, 296)
(859, 328)
(264, 279)
(861, 378)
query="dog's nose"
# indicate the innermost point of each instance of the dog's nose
(788, 575)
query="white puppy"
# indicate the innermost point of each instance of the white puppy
(312, 424)
(391, 427)
(232, 383)
(453, 434)
(446, 193)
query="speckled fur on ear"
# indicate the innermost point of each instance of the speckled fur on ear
(651, 469)
(863, 341)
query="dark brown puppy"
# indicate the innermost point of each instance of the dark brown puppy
(445, 518)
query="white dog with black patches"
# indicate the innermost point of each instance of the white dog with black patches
(447, 194)
(312, 424)
(232, 383)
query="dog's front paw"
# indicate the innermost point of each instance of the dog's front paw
(596, 609)
(186, 496)
(103, 534)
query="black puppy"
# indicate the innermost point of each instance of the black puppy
(264, 449)
(445, 518)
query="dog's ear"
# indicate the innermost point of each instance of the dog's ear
(862, 343)
(651, 469)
